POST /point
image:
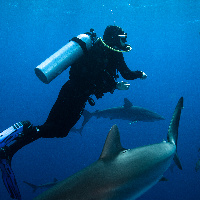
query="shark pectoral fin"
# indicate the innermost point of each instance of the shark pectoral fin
(112, 146)
(177, 161)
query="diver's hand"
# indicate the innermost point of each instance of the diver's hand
(122, 85)
(144, 76)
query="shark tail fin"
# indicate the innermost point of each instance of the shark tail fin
(34, 187)
(87, 115)
(172, 135)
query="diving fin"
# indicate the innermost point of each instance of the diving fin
(9, 179)
(7, 138)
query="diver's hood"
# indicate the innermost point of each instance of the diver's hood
(112, 38)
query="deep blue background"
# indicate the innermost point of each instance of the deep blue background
(165, 38)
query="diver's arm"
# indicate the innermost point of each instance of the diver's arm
(125, 71)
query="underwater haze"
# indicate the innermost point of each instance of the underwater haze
(165, 37)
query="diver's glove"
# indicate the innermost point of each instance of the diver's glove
(144, 76)
(122, 85)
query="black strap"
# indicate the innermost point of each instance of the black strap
(81, 43)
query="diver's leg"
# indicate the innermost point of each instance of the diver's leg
(66, 111)
(63, 116)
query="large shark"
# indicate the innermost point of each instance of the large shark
(120, 174)
(126, 112)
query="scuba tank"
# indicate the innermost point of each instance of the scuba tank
(65, 57)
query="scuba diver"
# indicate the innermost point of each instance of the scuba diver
(94, 72)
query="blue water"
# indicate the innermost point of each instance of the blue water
(165, 38)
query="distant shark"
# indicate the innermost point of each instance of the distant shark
(120, 174)
(47, 185)
(126, 112)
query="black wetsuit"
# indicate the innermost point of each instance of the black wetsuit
(93, 74)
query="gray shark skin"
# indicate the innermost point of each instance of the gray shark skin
(125, 112)
(46, 185)
(120, 174)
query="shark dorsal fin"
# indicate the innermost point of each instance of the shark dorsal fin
(112, 146)
(127, 103)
